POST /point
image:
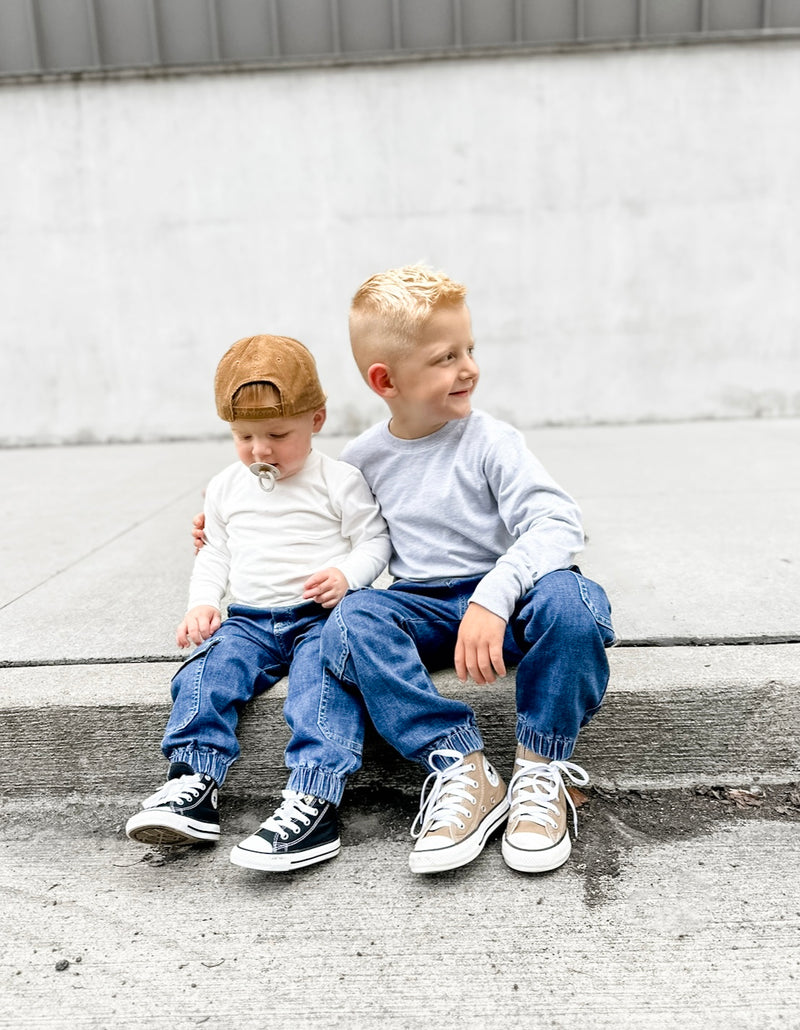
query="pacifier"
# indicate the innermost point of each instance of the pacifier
(267, 474)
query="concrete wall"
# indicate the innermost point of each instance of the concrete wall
(627, 222)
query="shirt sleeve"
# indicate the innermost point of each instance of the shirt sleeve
(212, 564)
(544, 521)
(364, 528)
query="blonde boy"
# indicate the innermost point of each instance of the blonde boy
(483, 544)
(288, 531)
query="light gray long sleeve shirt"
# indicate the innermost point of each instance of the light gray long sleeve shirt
(469, 500)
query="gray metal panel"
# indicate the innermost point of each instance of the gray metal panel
(427, 24)
(245, 31)
(65, 37)
(616, 19)
(366, 26)
(306, 27)
(485, 24)
(184, 31)
(17, 49)
(734, 15)
(678, 18)
(549, 21)
(51, 36)
(784, 14)
(124, 33)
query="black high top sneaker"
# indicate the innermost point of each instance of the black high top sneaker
(184, 811)
(303, 830)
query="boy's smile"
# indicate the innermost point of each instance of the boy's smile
(282, 442)
(433, 383)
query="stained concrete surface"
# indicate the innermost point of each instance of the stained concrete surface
(676, 910)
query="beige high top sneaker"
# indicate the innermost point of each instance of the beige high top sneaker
(463, 802)
(537, 837)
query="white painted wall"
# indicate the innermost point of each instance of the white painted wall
(627, 223)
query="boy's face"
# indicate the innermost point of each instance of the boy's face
(434, 383)
(282, 442)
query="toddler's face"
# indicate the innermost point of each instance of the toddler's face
(282, 442)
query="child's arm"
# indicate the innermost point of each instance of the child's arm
(545, 525)
(542, 521)
(364, 529)
(209, 578)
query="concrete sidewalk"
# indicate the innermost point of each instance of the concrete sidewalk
(666, 916)
(692, 530)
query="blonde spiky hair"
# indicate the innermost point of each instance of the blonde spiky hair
(389, 309)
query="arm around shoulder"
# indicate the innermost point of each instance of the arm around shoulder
(364, 527)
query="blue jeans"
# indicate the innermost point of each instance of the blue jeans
(382, 641)
(250, 652)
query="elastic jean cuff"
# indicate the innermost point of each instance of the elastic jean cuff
(204, 760)
(548, 745)
(309, 779)
(465, 740)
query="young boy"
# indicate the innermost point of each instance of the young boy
(483, 543)
(288, 531)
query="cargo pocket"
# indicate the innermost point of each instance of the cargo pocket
(596, 600)
(340, 716)
(185, 687)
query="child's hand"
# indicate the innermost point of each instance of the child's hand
(479, 647)
(326, 587)
(198, 536)
(198, 625)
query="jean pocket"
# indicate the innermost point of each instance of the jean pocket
(596, 600)
(340, 717)
(185, 686)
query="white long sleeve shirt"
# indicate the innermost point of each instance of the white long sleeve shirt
(262, 546)
(469, 500)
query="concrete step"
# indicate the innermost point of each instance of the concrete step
(673, 717)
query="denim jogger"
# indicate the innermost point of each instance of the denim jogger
(250, 652)
(383, 641)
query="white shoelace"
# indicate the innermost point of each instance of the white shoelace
(443, 793)
(293, 810)
(182, 788)
(535, 787)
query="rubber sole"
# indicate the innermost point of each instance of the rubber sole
(542, 860)
(159, 828)
(284, 863)
(439, 860)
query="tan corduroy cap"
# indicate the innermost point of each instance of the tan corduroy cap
(279, 360)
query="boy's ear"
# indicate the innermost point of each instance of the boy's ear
(319, 420)
(379, 377)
